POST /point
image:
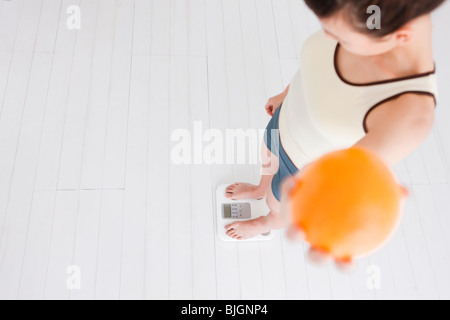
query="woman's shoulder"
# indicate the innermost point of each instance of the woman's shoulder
(315, 38)
(315, 44)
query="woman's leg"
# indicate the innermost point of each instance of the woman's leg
(270, 165)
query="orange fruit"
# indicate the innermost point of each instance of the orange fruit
(347, 203)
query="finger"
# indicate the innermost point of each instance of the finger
(346, 266)
(404, 191)
(295, 234)
(319, 257)
(287, 185)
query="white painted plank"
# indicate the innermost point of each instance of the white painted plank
(273, 274)
(133, 246)
(341, 285)
(37, 249)
(283, 26)
(441, 53)
(273, 78)
(86, 243)
(65, 37)
(419, 254)
(312, 20)
(178, 27)
(444, 153)
(214, 28)
(5, 60)
(109, 256)
(250, 271)
(48, 26)
(47, 174)
(253, 57)
(435, 241)
(9, 24)
(202, 205)
(274, 277)
(402, 271)
(161, 27)
(142, 27)
(267, 32)
(197, 27)
(29, 21)
(116, 135)
(360, 278)
(10, 122)
(249, 257)
(294, 254)
(319, 282)
(20, 193)
(62, 245)
(434, 164)
(51, 139)
(401, 173)
(441, 195)
(77, 102)
(157, 223)
(95, 131)
(180, 214)
(256, 94)
(227, 271)
(416, 168)
(299, 24)
(295, 270)
(388, 290)
(227, 265)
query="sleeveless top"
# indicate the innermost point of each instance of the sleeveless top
(323, 112)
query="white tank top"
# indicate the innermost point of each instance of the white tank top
(323, 112)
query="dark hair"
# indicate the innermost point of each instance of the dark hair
(394, 13)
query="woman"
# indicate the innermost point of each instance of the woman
(356, 86)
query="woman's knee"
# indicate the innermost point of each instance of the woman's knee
(270, 162)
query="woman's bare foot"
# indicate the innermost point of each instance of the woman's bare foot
(244, 230)
(245, 191)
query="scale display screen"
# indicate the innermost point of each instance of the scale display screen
(236, 211)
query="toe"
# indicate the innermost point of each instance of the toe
(228, 227)
(294, 234)
(346, 266)
(318, 256)
(233, 235)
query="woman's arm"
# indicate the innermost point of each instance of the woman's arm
(399, 127)
(274, 103)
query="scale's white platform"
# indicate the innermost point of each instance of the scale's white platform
(258, 208)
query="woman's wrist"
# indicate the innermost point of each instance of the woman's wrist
(285, 93)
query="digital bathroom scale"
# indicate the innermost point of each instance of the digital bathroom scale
(229, 211)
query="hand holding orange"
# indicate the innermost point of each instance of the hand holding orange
(346, 204)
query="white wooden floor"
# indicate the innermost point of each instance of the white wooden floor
(86, 118)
